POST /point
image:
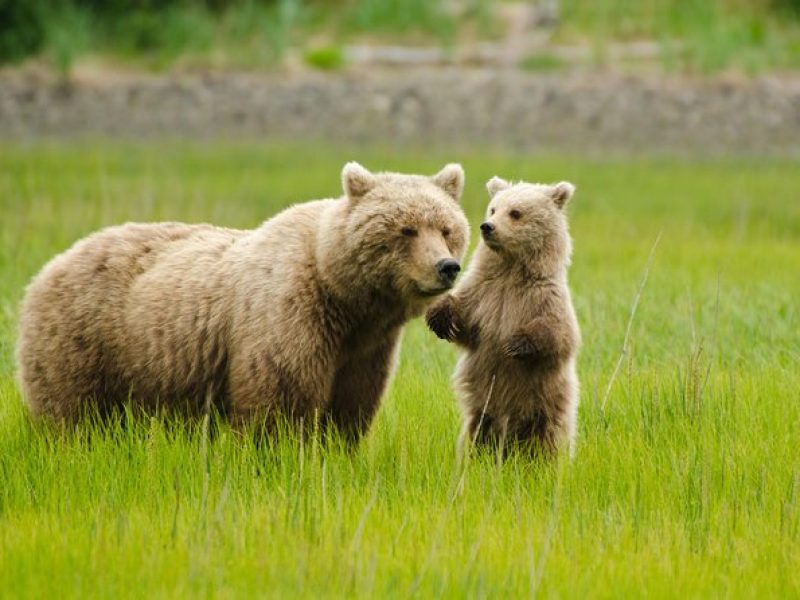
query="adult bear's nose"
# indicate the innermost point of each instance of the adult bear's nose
(487, 228)
(448, 270)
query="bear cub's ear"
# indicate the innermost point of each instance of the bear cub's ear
(496, 185)
(562, 192)
(451, 180)
(357, 181)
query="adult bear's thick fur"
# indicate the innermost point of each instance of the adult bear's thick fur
(297, 319)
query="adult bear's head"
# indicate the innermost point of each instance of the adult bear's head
(403, 235)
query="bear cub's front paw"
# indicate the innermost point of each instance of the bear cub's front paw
(441, 321)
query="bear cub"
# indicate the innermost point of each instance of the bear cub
(513, 316)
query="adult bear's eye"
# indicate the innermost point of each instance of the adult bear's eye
(515, 214)
(409, 231)
(446, 231)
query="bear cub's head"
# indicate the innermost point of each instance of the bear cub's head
(526, 222)
(408, 232)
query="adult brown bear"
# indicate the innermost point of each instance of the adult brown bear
(298, 319)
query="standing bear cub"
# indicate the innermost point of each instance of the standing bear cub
(513, 316)
(298, 319)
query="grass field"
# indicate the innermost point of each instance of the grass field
(687, 475)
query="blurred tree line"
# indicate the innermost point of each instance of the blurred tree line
(63, 27)
(24, 24)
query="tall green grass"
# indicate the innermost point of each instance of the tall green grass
(685, 482)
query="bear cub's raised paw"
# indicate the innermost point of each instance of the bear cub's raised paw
(442, 319)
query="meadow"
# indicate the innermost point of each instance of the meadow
(687, 474)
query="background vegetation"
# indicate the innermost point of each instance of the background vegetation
(695, 35)
(687, 476)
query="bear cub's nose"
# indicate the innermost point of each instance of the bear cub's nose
(448, 270)
(487, 228)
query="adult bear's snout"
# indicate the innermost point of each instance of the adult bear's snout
(448, 270)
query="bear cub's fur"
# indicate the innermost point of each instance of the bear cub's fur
(513, 316)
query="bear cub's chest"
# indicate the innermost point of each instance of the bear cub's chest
(501, 313)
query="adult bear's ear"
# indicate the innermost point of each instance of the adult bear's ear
(562, 192)
(496, 185)
(451, 180)
(357, 181)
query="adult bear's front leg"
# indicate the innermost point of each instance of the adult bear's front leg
(357, 390)
(266, 391)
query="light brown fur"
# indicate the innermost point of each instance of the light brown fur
(513, 316)
(299, 318)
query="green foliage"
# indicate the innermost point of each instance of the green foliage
(542, 62)
(68, 32)
(790, 6)
(402, 16)
(163, 32)
(327, 58)
(686, 482)
(696, 35)
(122, 7)
(21, 29)
(164, 35)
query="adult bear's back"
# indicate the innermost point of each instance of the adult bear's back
(79, 330)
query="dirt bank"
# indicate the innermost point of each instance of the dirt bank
(500, 107)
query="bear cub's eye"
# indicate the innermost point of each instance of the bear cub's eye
(491, 211)
(446, 231)
(408, 231)
(515, 214)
